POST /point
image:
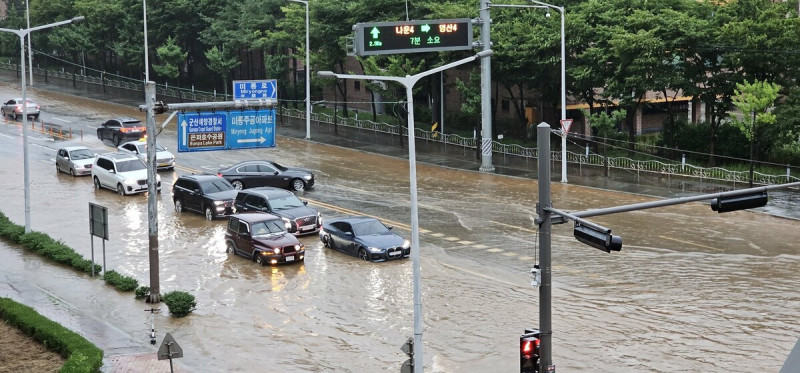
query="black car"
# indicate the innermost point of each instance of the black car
(251, 174)
(364, 237)
(119, 130)
(262, 238)
(297, 216)
(210, 195)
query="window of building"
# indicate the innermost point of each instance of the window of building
(357, 85)
(504, 104)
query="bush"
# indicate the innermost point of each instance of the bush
(10, 230)
(142, 292)
(81, 355)
(122, 283)
(180, 303)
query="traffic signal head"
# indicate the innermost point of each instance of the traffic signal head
(159, 107)
(602, 240)
(529, 351)
(746, 201)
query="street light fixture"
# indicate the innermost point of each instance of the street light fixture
(308, 74)
(408, 82)
(22, 33)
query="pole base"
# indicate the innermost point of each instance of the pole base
(489, 168)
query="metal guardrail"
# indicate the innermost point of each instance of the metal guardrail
(468, 143)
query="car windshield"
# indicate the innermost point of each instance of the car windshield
(132, 124)
(143, 148)
(370, 227)
(131, 165)
(81, 154)
(268, 227)
(286, 202)
(214, 186)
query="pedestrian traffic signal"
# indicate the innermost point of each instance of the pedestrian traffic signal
(529, 351)
(746, 201)
(602, 240)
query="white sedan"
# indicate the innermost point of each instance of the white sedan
(164, 159)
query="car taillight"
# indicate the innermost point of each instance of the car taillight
(219, 174)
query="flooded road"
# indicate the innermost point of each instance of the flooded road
(692, 290)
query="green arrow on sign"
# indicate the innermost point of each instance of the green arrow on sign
(375, 32)
(425, 28)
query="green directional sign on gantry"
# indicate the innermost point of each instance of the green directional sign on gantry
(413, 36)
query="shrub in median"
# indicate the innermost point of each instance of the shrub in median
(122, 283)
(180, 303)
(10, 230)
(142, 292)
(82, 355)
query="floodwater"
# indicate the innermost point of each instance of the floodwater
(691, 290)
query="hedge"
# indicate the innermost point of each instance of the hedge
(82, 355)
(180, 303)
(122, 283)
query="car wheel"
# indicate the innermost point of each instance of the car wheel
(229, 249)
(71, 172)
(3, 111)
(326, 241)
(178, 205)
(298, 185)
(36, 116)
(96, 183)
(115, 139)
(120, 190)
(362, 254)
(99, 135)
(259, 260)
(237, 185)
(209, 213)
(58, 170)
(14, 115)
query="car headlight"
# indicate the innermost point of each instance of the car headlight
(375, 249)
(406, 244)
(287, 223)
(298, 247)
(218, 203)
(307, 177)
(129, 182)
(319, 219)
(276, 250)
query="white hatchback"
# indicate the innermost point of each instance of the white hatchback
(125, 173)
(164, 159)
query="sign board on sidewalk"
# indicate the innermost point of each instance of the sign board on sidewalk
(238, 129)
(98, 221)
(169, 349)
(255, 89)
(565, 125)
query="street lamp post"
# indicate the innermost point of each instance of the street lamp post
(408, 82)
(22, 33)
(308, 74)
(30, 51)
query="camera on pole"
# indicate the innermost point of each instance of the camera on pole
(602, 240)
(746, 201)
(529, 351)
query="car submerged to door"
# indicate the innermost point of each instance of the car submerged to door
(263, 238)
(122, 172)
(75, 160)
(251, 174)
(298, 218)
(364, 237)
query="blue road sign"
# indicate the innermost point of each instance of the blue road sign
(226, 130)
(255, 89)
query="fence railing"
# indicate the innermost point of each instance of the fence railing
(505, 150)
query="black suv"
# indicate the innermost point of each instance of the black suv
(207, 194)
(262, 238)
(299, 218)
(119, 130)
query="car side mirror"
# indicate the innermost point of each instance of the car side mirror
(245, 235)
(196, 191)
(275, 172)
(112, 171)
(389, 227)
(305, 203)
(348, 234)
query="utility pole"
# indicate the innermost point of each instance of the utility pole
(486, 91)
(152, 193)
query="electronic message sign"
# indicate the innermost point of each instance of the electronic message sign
(413, 36)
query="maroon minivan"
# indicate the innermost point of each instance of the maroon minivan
(263, 238)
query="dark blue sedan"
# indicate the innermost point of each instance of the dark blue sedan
(364, 237)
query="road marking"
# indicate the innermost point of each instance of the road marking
(515, 227)
(438, 235)
(66, 121)
(495, 250)
(10, 137)
(691, 243)
(42, 146)
(466, 242)
(509, 254)
(187, 169)
(481, 246)
(526, 258)
(451, 239)
(94, 127)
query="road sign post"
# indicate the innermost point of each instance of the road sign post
(413, 36)
(98, 226)
(565, 125)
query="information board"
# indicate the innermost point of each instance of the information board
(255, 89)
(98, 221)
(413, 36)
(238, 129)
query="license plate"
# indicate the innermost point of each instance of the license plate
(395, 253)
(306, 228)
(290, 258)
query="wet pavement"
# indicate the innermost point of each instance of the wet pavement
(689, 289)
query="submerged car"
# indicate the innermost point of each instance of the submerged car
(122, 172)
(298, 218)
(210, 195)
(364, 237)
(251, 174)
(263, 238)
(119, 130)
(75, 160)
(13, 107)
(164, 159)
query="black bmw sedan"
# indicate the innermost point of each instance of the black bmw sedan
(251, 174)
(364, 237)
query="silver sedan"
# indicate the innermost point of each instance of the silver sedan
(75, 160)
(13, 107)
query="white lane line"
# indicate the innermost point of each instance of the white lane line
(10, 137)
(42, 146)
(95, 127)
(62, 120)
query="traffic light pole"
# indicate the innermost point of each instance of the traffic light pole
(720, 202)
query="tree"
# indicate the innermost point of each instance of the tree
(604, 124)
(755, 102)
(221, 63)
(171, 57)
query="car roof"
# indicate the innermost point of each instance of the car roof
(136, 142)
(126, 119)
(255, 217)
(72, 148)
(268, 192)
(252, 161)
(201, 177)
(352, 219)
(120, 156)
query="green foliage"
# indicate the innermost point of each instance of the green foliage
(753, 100)
(470, 97)
(180, 303)
(122, 283)
(82, 355)
(142, 292)
(221, 62)
(171, 56)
